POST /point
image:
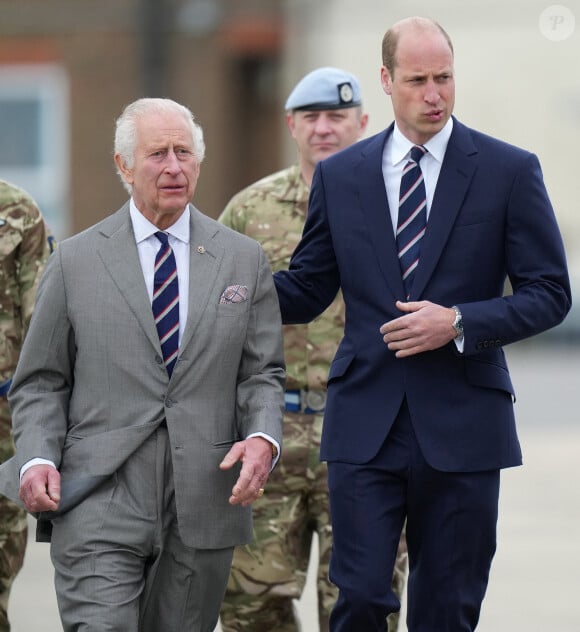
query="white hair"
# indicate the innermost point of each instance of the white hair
(126, 129)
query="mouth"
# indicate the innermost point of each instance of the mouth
(434, 115)
(324, 146)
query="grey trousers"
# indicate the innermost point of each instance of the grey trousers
(120, 565)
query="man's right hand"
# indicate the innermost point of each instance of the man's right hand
(40, 488)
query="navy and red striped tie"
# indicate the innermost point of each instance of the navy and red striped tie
(412, 217)
(166, 301)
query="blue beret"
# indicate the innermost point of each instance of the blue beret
(325, 89)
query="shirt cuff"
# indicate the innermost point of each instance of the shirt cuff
(35, 461)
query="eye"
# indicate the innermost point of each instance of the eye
(183, 154)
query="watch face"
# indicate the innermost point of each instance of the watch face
(458, 322)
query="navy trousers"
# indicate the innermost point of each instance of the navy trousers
(451, 537)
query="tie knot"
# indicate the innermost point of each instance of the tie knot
(163, 238)
(417, 152)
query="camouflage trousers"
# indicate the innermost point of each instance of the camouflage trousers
(13, 526)
(269, 574)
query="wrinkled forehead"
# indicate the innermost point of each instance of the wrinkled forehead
(163, 128)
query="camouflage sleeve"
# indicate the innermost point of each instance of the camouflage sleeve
(34, 250)
(233, 215)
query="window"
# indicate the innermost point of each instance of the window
(34, 143)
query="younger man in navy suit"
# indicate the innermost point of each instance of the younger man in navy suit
(420, 226)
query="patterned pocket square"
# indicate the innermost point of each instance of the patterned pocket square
(234, 294)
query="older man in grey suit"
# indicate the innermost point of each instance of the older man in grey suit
(145, 446)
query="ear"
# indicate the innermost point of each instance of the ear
(290, 123)
(123, 170)
(364, 120)
(386, 81)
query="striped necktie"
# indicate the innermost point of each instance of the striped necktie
(412, 217)
(166, 301)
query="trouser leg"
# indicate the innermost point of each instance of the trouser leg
(120, 565)
(451, 534)
(13, 524)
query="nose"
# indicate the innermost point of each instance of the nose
(431, 93)
(171, 162)
(322, 125)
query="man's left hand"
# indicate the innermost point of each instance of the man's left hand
(256, 457)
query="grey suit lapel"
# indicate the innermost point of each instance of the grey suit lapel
(457, 171)
(204, 263)
(118, 251)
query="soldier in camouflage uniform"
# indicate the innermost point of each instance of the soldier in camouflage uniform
(324, 115)
(24, 248)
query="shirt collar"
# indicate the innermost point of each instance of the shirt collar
(144, 229)
(436, 145)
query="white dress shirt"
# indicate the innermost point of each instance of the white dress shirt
(395, 156)
(148, 245)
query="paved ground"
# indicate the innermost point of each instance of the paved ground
(535, 580)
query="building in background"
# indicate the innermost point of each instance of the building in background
(68, 67)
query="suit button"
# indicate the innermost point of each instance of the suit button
(158, 359)
(168, 403)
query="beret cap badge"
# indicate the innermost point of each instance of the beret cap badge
(345, 92)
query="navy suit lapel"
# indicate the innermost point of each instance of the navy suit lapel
(457, 170)
(375, 208)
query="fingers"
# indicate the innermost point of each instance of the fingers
(53, 487)
(235, 454)
(248, 488)
(426, 326)
(40, 488)
(256, 457)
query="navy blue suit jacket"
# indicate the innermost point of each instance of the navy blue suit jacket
(490, 219)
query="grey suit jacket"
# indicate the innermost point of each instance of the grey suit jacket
(91, 385)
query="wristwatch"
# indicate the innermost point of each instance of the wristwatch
(274, 451)
(458, 322)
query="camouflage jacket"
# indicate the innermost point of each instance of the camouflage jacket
(273, 211)
(24, 249)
